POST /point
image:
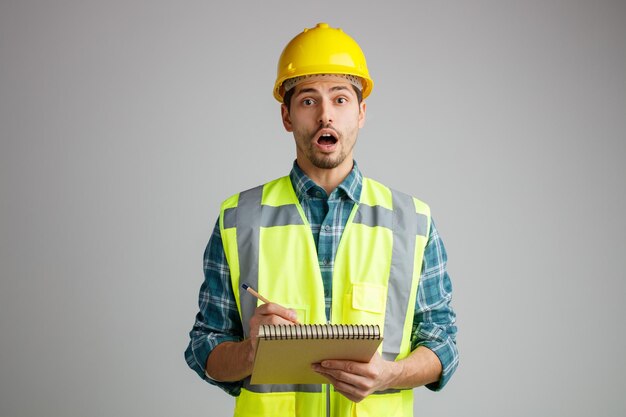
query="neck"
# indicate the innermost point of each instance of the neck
(328, 179)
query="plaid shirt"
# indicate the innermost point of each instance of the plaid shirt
(218, 319)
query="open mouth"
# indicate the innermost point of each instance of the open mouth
(326, 139)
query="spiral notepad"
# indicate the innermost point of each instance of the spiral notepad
(319, 331)
(285, 352)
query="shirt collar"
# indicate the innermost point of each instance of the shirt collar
(305, 187)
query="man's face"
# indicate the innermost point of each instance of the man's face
(325, 118)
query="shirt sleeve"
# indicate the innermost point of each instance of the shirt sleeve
(218, 319)
(434, 322)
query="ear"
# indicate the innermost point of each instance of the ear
(286, 118)
(362, 108)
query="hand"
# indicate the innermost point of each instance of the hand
(269, 313)
(233, 361)
(357, 380)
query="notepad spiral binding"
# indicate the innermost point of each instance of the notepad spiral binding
(319, 331)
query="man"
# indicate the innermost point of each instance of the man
(326, 244)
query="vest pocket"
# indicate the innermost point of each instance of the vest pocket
(366, 304)
(369, 297)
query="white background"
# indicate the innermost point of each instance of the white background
(123, 124)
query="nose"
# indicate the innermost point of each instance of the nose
(326, 113)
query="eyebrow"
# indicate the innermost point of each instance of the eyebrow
(315, 90)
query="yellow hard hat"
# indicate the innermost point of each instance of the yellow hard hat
(321, 50)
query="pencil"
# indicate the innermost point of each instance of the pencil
(256, 294)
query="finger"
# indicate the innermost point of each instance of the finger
(349, 391)
(270, 314)
(348, 367)
(277, 310)
(352, 397)
(343, 377)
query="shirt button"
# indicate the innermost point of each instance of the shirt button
(325, 261)
(326, 228)
(318, 194)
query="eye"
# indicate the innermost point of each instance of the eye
(308, 102)
(342, 100)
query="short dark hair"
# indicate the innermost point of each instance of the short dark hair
(289, 94)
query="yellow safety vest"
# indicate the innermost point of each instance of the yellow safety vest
(269, 245)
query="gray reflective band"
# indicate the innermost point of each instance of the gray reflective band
(422, 224)
(374, 216)
(248, 222)
(280, 216)
(230, 217)
(270, 216)
(405, 223)
(265, 388)
(248, 227)
(387, 391)
(383, 217)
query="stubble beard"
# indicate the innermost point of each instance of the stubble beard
(325, 161)
(320, 159)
